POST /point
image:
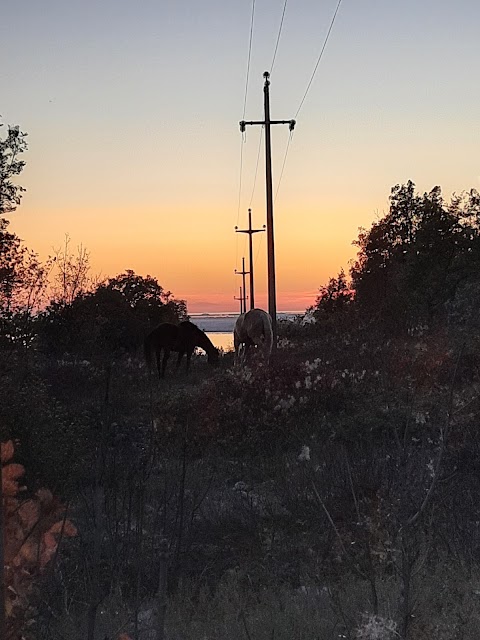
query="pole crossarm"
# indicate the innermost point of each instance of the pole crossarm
(249, 230)
(242, 300)
(243, 123)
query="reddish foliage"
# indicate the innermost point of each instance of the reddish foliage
(32, 530)
(6, 451)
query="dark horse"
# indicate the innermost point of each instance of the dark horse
(181, 338)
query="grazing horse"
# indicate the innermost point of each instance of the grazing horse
(253, 328)
(181, 338)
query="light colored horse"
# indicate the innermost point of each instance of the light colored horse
(253, 328)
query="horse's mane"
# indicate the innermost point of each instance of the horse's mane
(201, 338)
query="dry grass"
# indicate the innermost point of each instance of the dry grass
(446, 606)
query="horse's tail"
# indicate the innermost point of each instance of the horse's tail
(268, 333)
(237, 336)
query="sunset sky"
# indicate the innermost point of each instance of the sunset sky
(132, 113)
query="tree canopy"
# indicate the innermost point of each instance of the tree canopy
(23, 277)
(11, 147)
(413, 262)
(110, 319)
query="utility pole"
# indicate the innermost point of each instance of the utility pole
(250, 232)
(272, 295)
(243, 273)
(242, 299)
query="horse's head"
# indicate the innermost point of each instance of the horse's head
(213, 357)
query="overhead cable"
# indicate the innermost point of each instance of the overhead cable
(256, 166)
(244, 109)
(248, 59)
(278, 37)
(283, 164)
(319, 57)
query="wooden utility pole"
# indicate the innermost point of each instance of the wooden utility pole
(243, 273)
(272, 295)
(242, 300)
(250, 232)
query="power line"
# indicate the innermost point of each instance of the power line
(239, 194)
(256, 166)
(278, 37)
(319, 57)
(283, 165)
(244, 109)
(240, 178)
(259, 245)
(249, 56)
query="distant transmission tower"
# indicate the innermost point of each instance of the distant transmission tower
(242, 301)
(243, 273)
(250, 232)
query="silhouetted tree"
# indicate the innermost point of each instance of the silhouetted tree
(148, 298)
(411, 262)
(334, 305)
(335, 296)
(10, 148)
(22, 276)
(71, 275)
(110, 320)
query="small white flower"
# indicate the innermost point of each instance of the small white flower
(420, 418)
(304, 454)
(240, 486)
(375, 627)
(431, 468)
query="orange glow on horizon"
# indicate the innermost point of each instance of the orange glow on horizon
(194, 260)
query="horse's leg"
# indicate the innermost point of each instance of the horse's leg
(179, 359)
(166, 355)
(257, 345)
(237, 345)
(157, 357)
(189, 357)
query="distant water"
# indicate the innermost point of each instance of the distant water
(224, 322)
(219, 326)
(221, 340)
